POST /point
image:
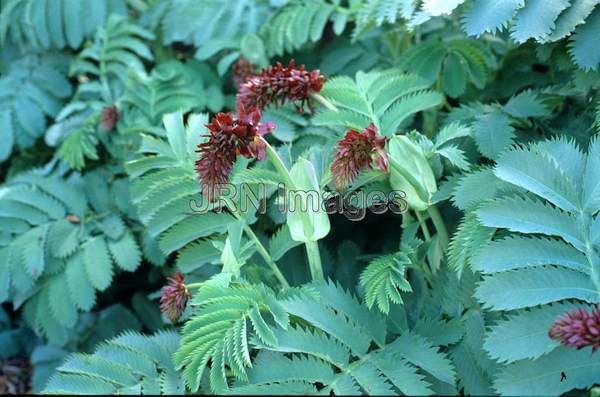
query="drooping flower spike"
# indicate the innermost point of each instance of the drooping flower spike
(578, 329)
(243, 69)
(229, 137)
(356, 152)
(174, 297)
(279, 84)
(110, 117)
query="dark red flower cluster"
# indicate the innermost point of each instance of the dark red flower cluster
(243, 69)
(174, 297)
(15, 376)
(279, 84)
(578, 329)
(355, 152)
(110, 117)
(229, 137)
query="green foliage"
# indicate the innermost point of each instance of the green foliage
(81, 143)
(543, 21)
(334, 350)
(383, 98)
(456, 62)
(489, 230)
(376, 12)
(117, 47)
(128, 364)
(493, 126)
(213, 26)
(219, 332)
(298, 23)
(172, 86)
(383, 280)
(61, 235)
(54, 23)
(32, 88)
(548, 257)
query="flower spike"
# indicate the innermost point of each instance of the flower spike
(243, 69)
(174, 297)
(279, 84)
(355, 152)
(229, 137)
(110, 117)
(578, 329)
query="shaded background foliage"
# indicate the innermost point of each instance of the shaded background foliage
(493, 111)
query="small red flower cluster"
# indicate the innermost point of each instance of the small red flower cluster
(578, 329)
(279, 84)
(174, 297)
(110, 117)
(229, 137)
(242, 71)
(355, 152)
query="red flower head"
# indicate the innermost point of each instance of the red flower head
(242, 71)
(578, 329)
(229, 137)
(356, 152)
(110, 117)
(279, 84)
(174, 297)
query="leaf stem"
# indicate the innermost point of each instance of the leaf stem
(321, 99)
(278, 164)
(438, 222)
(266, 256)
(423, 225)
(261, 249)
(590, 254)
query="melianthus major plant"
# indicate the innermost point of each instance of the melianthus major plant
(155, 157)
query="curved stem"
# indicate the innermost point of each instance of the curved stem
(278, 163)
(423, 225)
(321, 99)
(194, 285)
(438, 222)
(590, 253)
(261, 248)
(266, 256)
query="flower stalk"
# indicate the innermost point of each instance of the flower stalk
(312, 248)
(314, 261)
(263, 252)
(440, 226)
(321, 99)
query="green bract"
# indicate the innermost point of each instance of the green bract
(411, 173)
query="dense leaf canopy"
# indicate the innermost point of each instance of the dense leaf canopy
(332, 197)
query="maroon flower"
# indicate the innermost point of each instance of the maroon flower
(15, 376)
(279, 84)
(229, 137)
(355, 153)
(578, 329)
(174, 297)
(242, 71)
(110, 117)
